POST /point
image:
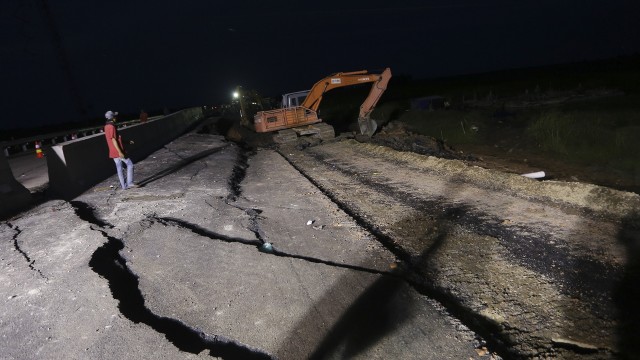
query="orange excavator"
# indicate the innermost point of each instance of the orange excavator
(295, 120)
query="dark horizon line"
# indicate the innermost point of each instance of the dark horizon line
(608, 61)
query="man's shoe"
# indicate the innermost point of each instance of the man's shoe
(134, 185)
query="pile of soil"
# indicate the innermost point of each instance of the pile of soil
(397, 136)
(504, 156)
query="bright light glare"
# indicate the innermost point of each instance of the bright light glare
(235, 95)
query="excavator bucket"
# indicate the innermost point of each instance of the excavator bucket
(367, 126)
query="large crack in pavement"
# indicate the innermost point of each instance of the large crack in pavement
(107, 262)
(16, 246)
(239, 173)
(259, 245)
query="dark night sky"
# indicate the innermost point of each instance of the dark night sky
(126, 55)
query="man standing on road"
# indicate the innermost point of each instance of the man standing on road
(116, 150)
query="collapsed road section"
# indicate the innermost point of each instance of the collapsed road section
(539, 266)
(177, 268)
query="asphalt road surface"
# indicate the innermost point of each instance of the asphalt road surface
(341, 250)
(30, 170)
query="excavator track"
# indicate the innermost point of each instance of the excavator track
(326, 131)
(321, 130)
(286, 136)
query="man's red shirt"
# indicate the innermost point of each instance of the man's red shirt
(110, 132)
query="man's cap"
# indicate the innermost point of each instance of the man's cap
(110, 114)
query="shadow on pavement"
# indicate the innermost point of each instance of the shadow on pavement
(627, 293)
(380, 309)
(375, 313)
(179, 165)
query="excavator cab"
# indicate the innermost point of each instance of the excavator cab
(294, 99)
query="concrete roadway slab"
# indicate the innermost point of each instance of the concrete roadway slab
(304, 220)
(188, 278)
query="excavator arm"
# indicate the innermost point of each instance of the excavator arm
(380, 81)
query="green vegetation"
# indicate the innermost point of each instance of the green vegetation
(454, 127)
(586, 114)
(602, 132)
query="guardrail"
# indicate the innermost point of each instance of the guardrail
(76, 165)
(26, 144)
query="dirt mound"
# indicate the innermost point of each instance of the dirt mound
(397, 136)
(238, 133)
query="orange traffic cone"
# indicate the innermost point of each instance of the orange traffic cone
(39, 153)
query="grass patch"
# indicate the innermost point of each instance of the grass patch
(451, 126)
(599, 133)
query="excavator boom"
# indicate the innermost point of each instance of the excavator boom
(313, 99)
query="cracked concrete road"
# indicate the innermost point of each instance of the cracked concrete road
(174, 269)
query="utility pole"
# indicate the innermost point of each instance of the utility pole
(62, 56)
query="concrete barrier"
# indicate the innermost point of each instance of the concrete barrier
(77, 165)
(13, 196)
